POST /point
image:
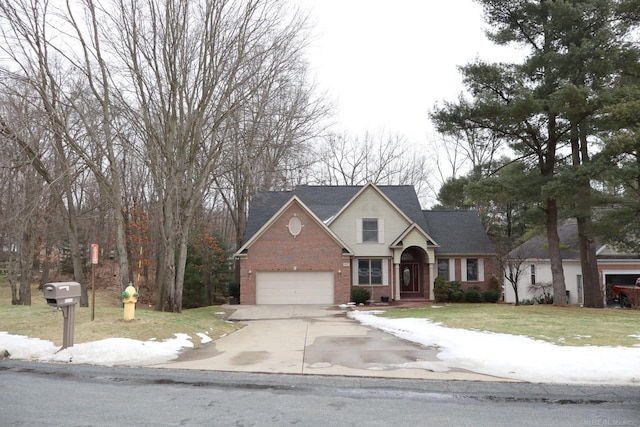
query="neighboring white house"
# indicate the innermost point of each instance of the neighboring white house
(614, 268)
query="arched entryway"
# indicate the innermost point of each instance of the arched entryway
(413, 273)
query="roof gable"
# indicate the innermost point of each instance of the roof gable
(326, 202)
(369, 187)
(292, 200)
(414, 228)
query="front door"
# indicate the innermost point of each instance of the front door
(409, 278)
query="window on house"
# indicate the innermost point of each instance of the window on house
(472, 269)
(533, 273)
(443, 269)
(370, 272)
(370, 230)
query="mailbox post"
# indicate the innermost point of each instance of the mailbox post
(64, 296)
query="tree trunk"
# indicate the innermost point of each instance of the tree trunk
(180, 268)
(71, 224)
(206, 278)
(161, 291)
(13, 280)
(557, 271)
(26, 262)
(167, 266)
(121, 245)
(593, 296)
(63, 193)
(44, 277)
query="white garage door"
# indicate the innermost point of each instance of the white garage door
(294, 287)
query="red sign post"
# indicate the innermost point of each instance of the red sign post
(94, 253)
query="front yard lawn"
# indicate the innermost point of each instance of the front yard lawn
(560, 325)
(41, 321)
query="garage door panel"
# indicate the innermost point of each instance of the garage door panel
(294, 288)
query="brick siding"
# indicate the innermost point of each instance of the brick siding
(277, 250)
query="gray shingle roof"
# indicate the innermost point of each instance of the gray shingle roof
(327, 201)
(458, 232)
(538, 247)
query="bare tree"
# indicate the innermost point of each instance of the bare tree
(189, 66)
(75, 101)
(23, 190)
(513, 266)
(382, 158)
(156, 98)
(270, 134)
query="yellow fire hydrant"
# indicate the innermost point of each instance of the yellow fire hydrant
(129, 298)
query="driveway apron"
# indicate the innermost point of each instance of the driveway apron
(316, 340)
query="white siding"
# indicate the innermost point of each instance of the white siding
(543, 275)
(369, 204)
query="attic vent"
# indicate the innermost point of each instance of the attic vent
(295, 226)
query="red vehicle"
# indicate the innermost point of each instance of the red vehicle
(629, 296)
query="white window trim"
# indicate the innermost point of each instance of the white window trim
(532, 274)
(385, 271)
(359, 230)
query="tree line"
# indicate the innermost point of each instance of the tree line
(147, 125)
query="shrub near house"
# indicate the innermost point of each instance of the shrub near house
(453, 292)
(360, 295)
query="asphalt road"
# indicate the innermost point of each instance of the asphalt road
(65, 395)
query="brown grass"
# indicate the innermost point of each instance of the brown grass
(44, 322)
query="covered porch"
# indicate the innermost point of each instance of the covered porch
(413, 272)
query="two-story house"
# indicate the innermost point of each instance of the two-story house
(313, 244)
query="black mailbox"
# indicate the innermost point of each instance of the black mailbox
(62, 294)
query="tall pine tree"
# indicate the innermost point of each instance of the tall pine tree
(547, 107)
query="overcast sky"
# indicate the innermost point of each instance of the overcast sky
(387, 62)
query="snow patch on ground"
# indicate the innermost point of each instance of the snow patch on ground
(515, 357)
(500, 355)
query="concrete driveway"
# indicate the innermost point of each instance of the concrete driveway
(316, 340)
